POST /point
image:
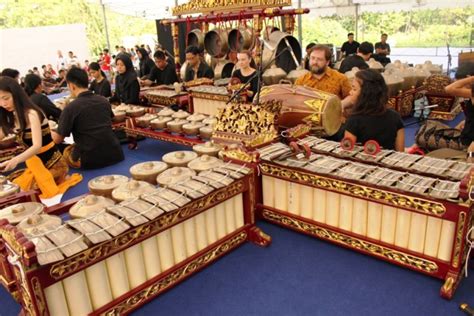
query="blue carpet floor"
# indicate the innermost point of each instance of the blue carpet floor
(296, 275)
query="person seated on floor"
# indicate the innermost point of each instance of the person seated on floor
(127, 88)
(61, 80)
(145, 64)
(434, 135)
(12, 73)
(364, 51)
(321, 76)
(370, 118)
(162, 73)
(46, 168)
(306, 58)
(246, 73)
(89, 119)
(99, 85)
(34, 89)
(197, 68)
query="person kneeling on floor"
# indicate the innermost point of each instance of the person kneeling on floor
(89, 119)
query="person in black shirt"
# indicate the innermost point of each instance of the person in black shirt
(34, 89)
(196, 68)
(308, 52)
(89, 119)
(382, 48)
(99, 85)
(464, 88)
(61, 80)
(246, 73)
(162, 72)
(364, 52)
(370, 119)
(350, 47)
(146, 64)
(127, 88)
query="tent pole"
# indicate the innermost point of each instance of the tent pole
(300, 26)
(105, 24)
(356, 27)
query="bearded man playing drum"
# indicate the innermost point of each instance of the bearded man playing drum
(322, 77)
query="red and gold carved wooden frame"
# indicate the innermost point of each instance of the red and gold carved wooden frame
(31, 279)
(459, 213)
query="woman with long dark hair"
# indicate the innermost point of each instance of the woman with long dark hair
(370, 118)
(100, 85)
(46, 167)
(146, 64)
(34, 89)
(127, 88)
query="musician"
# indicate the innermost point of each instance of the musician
(306, 58)
(127, 88)
(364, 51)
(350, 47)
(246, 73)
(45, 166)
(322, 77)
(162, 72)
(196, 68)
(99, 85)
(146, 64)
(370, 118)
(34, 89)
(89, 119)
(434, 135)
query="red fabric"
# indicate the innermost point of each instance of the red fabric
(106, 63)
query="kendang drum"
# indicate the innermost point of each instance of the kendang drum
(302, 105)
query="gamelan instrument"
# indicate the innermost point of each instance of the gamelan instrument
(209, 99)
(410, 210)
(305, 105)
(110, 257)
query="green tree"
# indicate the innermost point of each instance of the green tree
(21, 14)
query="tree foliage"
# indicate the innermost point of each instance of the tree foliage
(22, 14)
(416, 28)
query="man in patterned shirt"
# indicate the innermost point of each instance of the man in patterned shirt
(322, 77)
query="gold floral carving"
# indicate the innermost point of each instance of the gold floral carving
(251, 125)
(240, 154)
(459, 239)
(210, 96)
(39, 297)
(75, 263)
(355, 243)
(178, 275)
(163, 100)
(359, 191)
(202, 6)
(166, 137)
(446, 116)
(26, 301)
(298, 131)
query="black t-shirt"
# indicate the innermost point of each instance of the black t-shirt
(145, 67)
(350, 48)
(253, 86)
(382, 128)
(352, 61)
(383, 46)
(204, 71)
(165, 76)
(467, 134)
(50, 110)
(101, 88)
(89, 119)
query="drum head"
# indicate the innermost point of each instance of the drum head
(332, 116)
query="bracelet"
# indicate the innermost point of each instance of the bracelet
(470, 154)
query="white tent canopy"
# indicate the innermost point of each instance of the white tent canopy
(153, 9)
